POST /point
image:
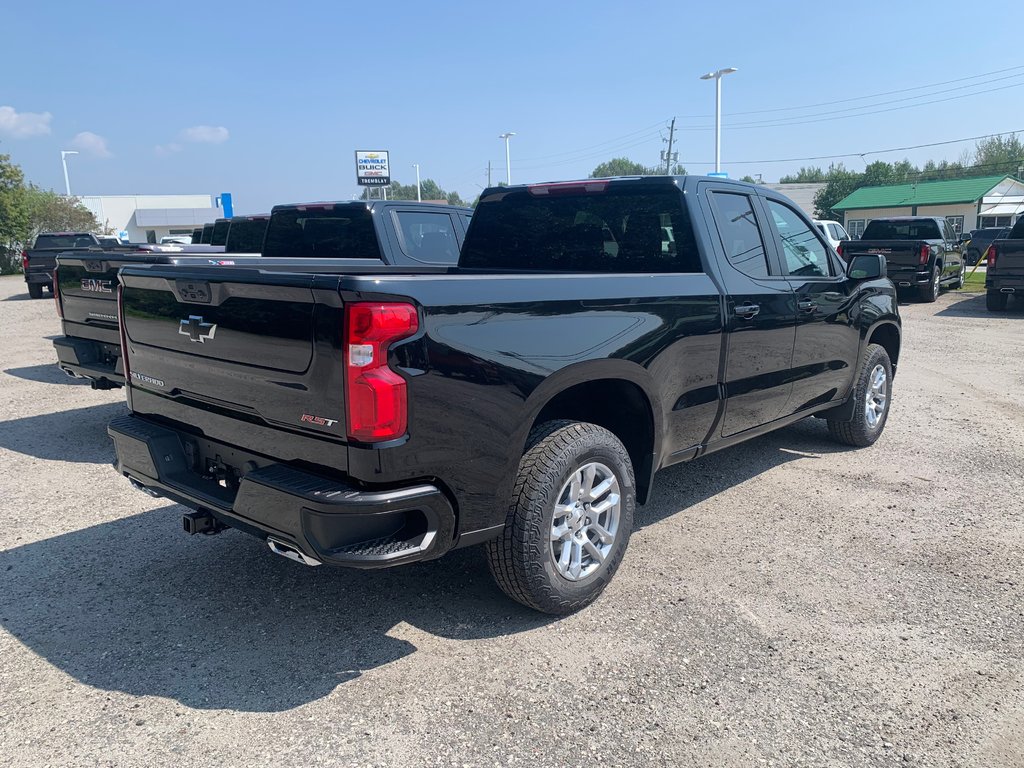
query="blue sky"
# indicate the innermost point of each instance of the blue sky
(269, 100)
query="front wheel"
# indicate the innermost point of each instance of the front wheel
(569, 520)
(35, 290)
(930, 292)
(872, 395)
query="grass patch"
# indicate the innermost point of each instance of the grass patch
(974, 283)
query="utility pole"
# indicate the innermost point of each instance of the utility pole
(488, 173)
(668, 155)
(418, 196)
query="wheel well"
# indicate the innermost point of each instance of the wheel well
(619, 406)
(889, 338)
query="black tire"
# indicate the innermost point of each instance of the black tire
(930, 292)
(522, 559)
(996, 301)
(857, 430)
(35, 290)
(973, 256)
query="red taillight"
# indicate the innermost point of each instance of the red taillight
(375, 395)
(990, 256)
(839, 249)
(24, 261)
(56, 294)
(124, 343)
(925, 253)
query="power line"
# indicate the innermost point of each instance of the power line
(864, 154)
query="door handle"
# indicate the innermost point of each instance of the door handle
(747, 311)
(807, 305)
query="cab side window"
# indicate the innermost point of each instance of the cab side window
(804, 255)
(740, 234)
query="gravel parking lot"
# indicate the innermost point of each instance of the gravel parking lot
(785, 602)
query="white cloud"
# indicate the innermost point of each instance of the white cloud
(20, 125)
(205, 134)
(92, 143)
(167, 149)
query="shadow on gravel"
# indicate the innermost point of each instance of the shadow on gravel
(684, 485)
(218, 622)
(25, 297)
(134, 605)
(975, 307)
(76, 435)
(46, 374)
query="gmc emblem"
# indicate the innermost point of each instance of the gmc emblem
(97, 286)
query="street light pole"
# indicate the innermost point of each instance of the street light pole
(508, 160)
(64, 161)
(717, 77)
(419, 199)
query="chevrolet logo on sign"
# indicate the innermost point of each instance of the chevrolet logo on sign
(196, 329)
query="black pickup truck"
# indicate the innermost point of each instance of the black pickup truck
(246, 233)
(922, 252)
(39, 261)
(524, 399)
(353, 233)
(1004, 274)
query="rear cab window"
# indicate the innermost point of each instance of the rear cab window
(246, 235)
(889, 229)
(220, 232)
(582, 227)
(322, 232)
(56, 242)
(427, 236)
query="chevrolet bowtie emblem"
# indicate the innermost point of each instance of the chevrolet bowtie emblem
(196, 329)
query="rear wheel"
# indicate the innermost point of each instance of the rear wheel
(930, 292)
(569, 519)
(872, 396)
(35, 290)
(995, 301)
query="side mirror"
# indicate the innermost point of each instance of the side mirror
(867, 267)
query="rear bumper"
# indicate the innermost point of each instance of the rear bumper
(329, 521)
(1004, 283)
(904, 277)
(90, 359)
(39, 277)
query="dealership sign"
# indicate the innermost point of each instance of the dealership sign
(372, 169)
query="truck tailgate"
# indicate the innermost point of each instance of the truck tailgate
(899, 253)
(255, 349)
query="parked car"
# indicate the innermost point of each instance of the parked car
(351, 233)
(976, 243)
(1004, 276)
(833, 232)
(219, 236)
(524, 399)
(206, 237)
(176, 240)
(921, 252)
(197, 235)
(39, 261)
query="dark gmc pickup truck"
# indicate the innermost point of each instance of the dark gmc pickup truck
(1004, 275)
(39, 261)
(922, 252)
(523, 399)
(384, 232)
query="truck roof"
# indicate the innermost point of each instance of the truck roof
(686, 182)
(372, 205)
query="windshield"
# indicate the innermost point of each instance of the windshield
(619, 229)
(890, 229)
(322, 232)
(246, 235)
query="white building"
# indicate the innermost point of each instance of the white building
(147, 218)
(801, 193)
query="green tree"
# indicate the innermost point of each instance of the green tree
(619, 166)
(839, 183)
(750, 179)
(808, 175)
(14, 219)
(50, 212)
(999, 154)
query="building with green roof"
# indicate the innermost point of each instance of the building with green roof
(982, 201)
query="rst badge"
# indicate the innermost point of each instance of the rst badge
(97, 286)
(197, 330)
(320, 421)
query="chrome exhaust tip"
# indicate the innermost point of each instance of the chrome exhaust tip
(144, 488)
(290, 551)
